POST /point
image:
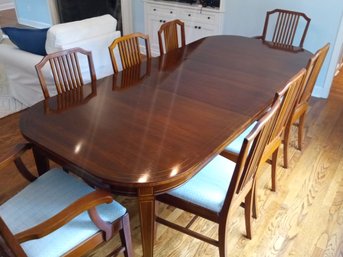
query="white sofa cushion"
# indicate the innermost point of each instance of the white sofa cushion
(93, 34)
(22, 79)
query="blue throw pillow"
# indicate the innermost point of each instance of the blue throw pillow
(29, 40)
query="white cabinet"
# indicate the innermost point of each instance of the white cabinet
(199, 21)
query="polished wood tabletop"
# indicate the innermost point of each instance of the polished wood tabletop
(152, 127)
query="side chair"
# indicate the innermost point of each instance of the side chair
(129, 53)
(66, 70)
(289, 95)
(312, 71)
(58, 214)
(168, 36)
(218, 190)
(284, 28)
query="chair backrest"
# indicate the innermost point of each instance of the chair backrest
(285, 27)
(250, 156)
(289, 96)
(168, 36)
(312, 71)
(65, 68)
(129, 50)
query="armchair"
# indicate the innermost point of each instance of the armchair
(93, 34)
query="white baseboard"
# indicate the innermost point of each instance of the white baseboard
(33, 24)
(319, 92)
(6, 6)
(338, 68)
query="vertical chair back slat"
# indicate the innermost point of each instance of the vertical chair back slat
(313, 68)
(289, 95)
(129, 50)
(65, 69)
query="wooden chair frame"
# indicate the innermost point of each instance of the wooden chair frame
(65, 69)
(241, 188)
(168, 33)
(312, 71)
(129, 50)
(289, 95)
(285, 27)
(11, 243)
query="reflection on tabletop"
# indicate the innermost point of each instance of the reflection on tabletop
(69, 99)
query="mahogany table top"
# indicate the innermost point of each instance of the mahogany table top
(157, 124)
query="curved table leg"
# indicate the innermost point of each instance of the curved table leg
(146, 201)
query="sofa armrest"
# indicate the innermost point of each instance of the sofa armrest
(21, 74)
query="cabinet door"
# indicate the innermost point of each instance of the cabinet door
(195, 31)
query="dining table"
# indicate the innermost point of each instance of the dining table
(152, 127)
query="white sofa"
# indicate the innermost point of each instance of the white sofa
(93, 34)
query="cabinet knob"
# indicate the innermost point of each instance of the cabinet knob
(209, 18)
(195, 27)
(199, 27)
(171, 11)
(154, 9)
(189, 15)
(164, 21)
(160, 20)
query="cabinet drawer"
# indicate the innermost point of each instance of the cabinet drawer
(203, 17)
(158, 10)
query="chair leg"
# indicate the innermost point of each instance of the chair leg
(285, 145)
(157, 204)
(222, 237)
(248, 211)
(125, 236)
(274, 164)
(301, 131)
(254, 203)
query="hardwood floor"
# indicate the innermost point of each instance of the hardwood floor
(304, 218)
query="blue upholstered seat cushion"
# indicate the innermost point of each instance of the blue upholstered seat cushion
(236, 145)
(29, 40)
(209, 186)
(45, 197)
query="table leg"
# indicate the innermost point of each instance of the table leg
(42, 162)
(146, 201)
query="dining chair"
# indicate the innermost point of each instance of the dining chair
(66, 70)
(168, 36)
(312, 71)
(218, 190)
(58, 214)
(284, 27)
(289, 95)
(125, 51)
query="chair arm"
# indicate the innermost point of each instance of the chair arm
(258, 37)
(83, 204)
(15, 153)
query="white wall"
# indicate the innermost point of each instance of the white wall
(247, 18)
(6, 4)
